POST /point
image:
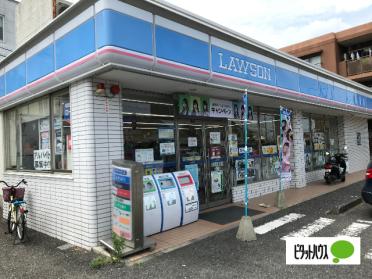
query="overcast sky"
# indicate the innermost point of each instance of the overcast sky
(279, 23)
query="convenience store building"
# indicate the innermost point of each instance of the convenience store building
(149, 82)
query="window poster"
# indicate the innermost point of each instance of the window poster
(216, 181)
(44, 124)
(144, 155)
(220, 108)
(58, 143)
(42, 159)
(166, 133)
(194, 171)
(167, 148)
(192, 142)
(238, 109)
(233, 145)
(193, 105)
(269, 149)
(44, 140)
(240, 169)
(66, 111)
(215, 138)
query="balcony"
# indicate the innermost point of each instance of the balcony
(360, 66)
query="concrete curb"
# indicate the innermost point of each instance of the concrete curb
(345, 207)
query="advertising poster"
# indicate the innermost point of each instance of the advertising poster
(239, 168)
(44, 125)
(44, 139)
(220, 108)
(42, 159)
(215, 138)
(287, 140)
(233, 145)
(148, 185)
(183, 105)
(66, 112)
(166, 133)
(167, 148)
(204, 106)
(238, 109)
(216, 181)
(192, 142)
(269, 149)
(194, 171)
(144, 155)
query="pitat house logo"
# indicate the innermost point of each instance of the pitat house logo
(323, 250)
(242, 66)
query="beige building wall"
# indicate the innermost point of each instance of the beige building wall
(31, 16)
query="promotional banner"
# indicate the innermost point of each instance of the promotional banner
(189, 105)
(287, 140)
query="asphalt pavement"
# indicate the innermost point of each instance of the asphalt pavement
(220, 256)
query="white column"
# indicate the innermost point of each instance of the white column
(97, 136)
(298, 160)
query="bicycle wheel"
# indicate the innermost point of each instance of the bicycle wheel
(11, 223)
(21, 226)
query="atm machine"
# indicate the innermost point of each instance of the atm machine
(189, 196)
(152, 212)
(170, 200)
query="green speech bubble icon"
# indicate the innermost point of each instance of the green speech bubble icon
(342, 249)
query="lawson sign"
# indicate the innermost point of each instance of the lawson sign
(234, 64)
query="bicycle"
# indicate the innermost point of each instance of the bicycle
(17, 210)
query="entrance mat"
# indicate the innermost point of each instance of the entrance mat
(227, 215)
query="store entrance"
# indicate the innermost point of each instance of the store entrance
(202, 146)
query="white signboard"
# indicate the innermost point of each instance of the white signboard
(215, 137)
(167, 148)
(165, 133)
(216, 181)
(144, 155)
(221, 108)
(42, 159)
(192, 142)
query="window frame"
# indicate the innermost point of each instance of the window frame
(6, 139)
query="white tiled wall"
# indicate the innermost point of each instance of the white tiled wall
(358, 155)
(76, 207)
(257, 189)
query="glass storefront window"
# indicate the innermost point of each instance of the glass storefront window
(62, 132)
(320, 136)
(30, 143)
(151, 142)
(269, 132)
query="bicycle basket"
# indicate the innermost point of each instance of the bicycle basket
(19, 193)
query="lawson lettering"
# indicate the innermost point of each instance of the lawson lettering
(242, 66)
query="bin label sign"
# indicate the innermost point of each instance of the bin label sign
(122, 203)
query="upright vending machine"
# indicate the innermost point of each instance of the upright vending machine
(189, 196)
(170, 200)
(152, 212)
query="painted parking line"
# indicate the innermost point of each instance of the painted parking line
(269, 226)
(368, 256)
(355, 229)
(310, 229)
(364, 221)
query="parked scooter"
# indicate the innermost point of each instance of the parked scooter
(335, 167)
